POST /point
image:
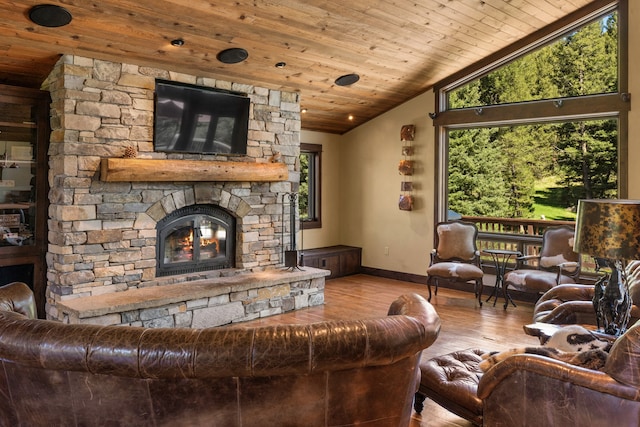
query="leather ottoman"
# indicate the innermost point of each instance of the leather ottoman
(451, 380)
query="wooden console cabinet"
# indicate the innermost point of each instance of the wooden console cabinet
(340, 260)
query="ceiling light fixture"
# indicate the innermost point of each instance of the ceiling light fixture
(49, 15)
(281, 64)
(304, 111)
(347, 79)
(351, 117)
(232, 55)
(177, 42)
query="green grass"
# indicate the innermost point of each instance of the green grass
(548, 201)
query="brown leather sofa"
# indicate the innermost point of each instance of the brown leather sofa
(531, 390)
(334, 373)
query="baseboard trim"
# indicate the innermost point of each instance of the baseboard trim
(388, 274)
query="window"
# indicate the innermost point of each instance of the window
(309, 194)
(542, 123)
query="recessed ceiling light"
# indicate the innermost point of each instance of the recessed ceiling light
(177, 42)
(347, 79)
(50, 15)
(351, 117)
(281, 64)
(304, 111)
(232, 55)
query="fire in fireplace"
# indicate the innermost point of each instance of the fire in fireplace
(195, 238)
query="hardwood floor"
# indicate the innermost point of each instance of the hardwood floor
(464, 323)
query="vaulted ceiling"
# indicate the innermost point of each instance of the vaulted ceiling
(399, 48)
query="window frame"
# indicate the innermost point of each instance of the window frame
(314, 185)
(600, 106)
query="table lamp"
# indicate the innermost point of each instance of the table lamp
(610, 229)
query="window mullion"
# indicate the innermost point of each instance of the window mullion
(584, 107)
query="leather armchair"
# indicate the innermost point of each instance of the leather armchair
(527, 389)
(456, 256)
(572, 303)
(556, 264)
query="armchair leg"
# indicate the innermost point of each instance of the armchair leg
(479, 286)
(429, 287)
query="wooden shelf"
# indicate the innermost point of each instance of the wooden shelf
(162, 170)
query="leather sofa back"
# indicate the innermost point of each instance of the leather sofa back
(329, 373)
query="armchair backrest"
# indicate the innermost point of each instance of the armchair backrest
(456, 240)
(557, 248)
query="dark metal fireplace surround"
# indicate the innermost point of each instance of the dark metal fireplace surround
(195, 238)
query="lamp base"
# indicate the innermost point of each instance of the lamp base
(612, 302)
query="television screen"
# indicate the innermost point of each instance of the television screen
(195, 119)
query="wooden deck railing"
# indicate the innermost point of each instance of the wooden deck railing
(522, 235)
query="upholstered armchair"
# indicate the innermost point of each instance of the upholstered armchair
(556, 263)
(456, 257)
(527, 389)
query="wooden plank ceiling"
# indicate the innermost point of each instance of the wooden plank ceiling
(399, 48)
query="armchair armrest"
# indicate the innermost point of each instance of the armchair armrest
(525, 259)
(569, 266)
(550, 368)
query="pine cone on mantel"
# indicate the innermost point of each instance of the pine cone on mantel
(130, 153)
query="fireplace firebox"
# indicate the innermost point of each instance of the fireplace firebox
(195, 238)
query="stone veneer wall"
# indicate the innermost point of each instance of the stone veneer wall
(102, 236)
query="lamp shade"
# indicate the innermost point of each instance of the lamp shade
(608, 229)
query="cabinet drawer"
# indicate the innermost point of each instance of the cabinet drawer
(340, 260)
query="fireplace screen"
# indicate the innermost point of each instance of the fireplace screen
(195, 238)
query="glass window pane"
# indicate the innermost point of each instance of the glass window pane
(17, 175)
(303, 197)
(309, 191)
(532, 171)
(583, 62)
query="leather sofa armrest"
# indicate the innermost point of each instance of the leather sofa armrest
(568, 292)
(568, 313)
(544, 367)
(18, 297)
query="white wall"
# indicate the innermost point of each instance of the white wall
(370, 188)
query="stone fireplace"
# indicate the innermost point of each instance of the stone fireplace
(103, 233)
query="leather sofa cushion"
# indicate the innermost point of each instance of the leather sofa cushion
(534, 280)
(452, 379)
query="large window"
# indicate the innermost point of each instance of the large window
(541, 126)
(309, 195)
(536, 171)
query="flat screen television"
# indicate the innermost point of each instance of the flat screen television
(197, 119)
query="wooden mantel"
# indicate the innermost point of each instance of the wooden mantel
(163, 170)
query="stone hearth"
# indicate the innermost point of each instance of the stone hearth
(213, 300)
